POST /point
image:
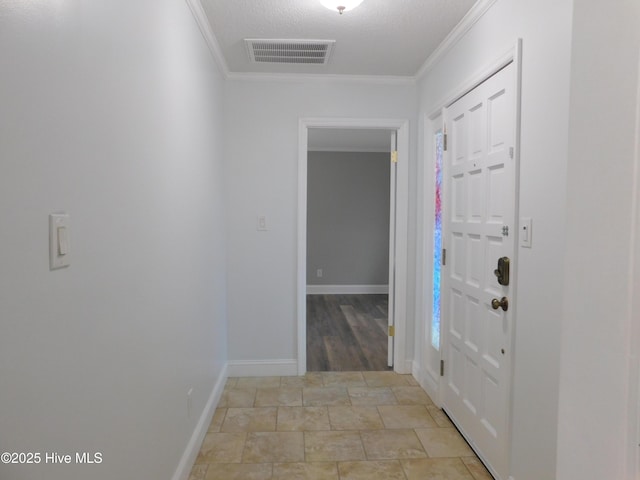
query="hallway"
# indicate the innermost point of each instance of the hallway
(332, 426)
(180, 169)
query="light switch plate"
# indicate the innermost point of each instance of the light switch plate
(59, 241)
(526, 232)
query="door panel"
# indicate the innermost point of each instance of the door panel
(479, 182)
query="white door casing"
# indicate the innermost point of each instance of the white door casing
(480, 178)
(399, 252)
(393, 187)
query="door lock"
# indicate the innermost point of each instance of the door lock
(502, 303)
(502, 272)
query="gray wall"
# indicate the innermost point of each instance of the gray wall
(348, 218)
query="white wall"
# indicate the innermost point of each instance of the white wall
(262, 156)
(598, 289)
(633, 460)
(545, 27)
(111, 111)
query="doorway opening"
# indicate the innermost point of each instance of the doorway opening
(325, 141)
(348, 237)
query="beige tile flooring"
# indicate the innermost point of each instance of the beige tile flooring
(332, 426)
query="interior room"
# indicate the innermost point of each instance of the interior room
(153, 199)
(348, 216)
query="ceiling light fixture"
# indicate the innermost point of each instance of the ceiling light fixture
(341, 5)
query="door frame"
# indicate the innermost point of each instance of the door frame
(429, 358)
(399, 308)
(511, 55)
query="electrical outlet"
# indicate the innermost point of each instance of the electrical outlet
(189, 402)
(319, 273)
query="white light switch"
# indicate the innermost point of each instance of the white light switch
(526, 225)
(262, 223)
(63, 241)
(59, 241)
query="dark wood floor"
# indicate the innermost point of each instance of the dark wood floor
(346, 332)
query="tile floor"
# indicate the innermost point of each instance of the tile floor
(332, 426)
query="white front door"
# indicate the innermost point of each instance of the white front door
(479, 229)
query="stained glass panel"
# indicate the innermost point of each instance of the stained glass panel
(437, 244)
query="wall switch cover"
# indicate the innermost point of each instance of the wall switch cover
(526, 232)
(262, 223)
(59, 241)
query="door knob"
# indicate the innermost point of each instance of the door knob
(502, 303)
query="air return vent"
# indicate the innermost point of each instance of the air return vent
(289, 51)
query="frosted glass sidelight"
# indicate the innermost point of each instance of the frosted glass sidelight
(437, 244)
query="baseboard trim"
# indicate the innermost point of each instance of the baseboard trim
(427, 381)
(416, 371)
(347, 289)
(404, 369)
(263, 368)
(193, 447)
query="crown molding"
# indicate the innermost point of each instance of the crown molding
(469, 20)
(321, 77)
(205, 28)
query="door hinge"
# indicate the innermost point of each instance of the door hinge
(511, 152)
(444, 141)
(442, 368)
(444, 256)
(392, 331)
(394, 156)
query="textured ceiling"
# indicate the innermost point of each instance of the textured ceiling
(380, 37)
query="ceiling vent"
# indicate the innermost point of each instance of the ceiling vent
(289, 51)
